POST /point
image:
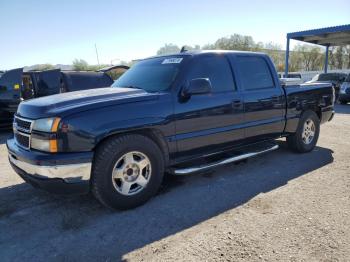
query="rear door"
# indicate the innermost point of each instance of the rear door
(264, 99)
(10, 85)
(209, 121)
(48, 82)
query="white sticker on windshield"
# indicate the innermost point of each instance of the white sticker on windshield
(174, 60)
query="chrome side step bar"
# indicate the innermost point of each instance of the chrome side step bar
(189, 170)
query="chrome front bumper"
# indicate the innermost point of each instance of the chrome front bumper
(70, 173)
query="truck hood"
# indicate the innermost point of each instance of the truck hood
(73, 102)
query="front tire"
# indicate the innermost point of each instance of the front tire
(305, 138)
(127, 171)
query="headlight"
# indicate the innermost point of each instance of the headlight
(45, 142)
(46, 124)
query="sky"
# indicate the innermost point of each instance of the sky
(57, 32)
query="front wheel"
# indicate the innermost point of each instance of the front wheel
(306, 136)
(127, 171)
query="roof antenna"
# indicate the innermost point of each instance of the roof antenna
(183, 49)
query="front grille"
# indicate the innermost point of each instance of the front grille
(23, 124)
(22, 131)
(22, 139)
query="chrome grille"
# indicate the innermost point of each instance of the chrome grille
(24, 125)
(22, 140)
(22, 129)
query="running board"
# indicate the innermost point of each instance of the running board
(190, 170)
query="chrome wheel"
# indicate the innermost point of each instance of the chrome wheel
(131, 173)
(308, 131)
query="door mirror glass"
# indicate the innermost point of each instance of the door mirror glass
(198, 86)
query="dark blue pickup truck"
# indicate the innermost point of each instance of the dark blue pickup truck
(177, 114)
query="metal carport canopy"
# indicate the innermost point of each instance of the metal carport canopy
(329, 36)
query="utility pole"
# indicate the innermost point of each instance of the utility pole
(98, 60)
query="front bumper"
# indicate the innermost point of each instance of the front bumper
(62, 172)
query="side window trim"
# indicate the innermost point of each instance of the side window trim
(235, 84)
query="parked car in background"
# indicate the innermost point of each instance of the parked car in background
(182, 113)
(16, 85)
(335, 78)
(290, 75)
(290, 79)
(344, 93)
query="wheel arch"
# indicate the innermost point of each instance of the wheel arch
(152, 133)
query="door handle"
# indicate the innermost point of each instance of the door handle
(275, 98)
(236, 103)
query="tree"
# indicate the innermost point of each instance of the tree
(339, 57)
(236, 42)
(80, 65)
(311, 57)
(275, 52)
(43, 67)
(168, 49)
(304, 57)
(347, 54)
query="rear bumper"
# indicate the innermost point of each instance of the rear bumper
(57, 173)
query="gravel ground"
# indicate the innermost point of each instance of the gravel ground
(277, 207)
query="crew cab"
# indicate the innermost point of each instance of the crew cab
(17, 85)
(177, 114)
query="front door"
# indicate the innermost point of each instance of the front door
(209, 121)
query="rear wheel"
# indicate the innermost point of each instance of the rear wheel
(127, 171)
(305, 138)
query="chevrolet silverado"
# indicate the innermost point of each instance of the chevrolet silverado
(176, 114)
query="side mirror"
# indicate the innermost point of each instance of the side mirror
(198, 86)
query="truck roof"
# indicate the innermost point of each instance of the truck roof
(201, 52)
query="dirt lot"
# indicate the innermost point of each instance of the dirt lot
(277, 207)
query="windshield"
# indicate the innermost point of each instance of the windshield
(151, 75)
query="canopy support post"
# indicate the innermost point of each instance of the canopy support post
(287, 58)
(326, 60)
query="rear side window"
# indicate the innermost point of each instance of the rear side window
(216, 69)
(254, 73)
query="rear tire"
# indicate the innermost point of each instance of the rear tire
(127, 171)
(305, 138)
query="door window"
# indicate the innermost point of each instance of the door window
(216, 69)
(254, 73)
